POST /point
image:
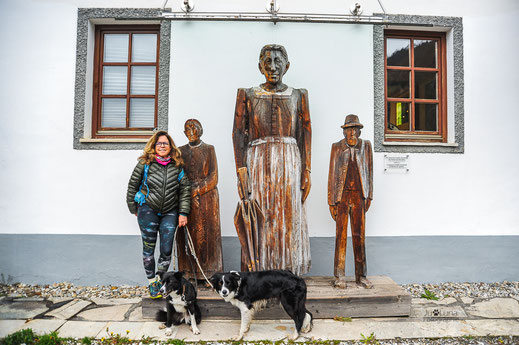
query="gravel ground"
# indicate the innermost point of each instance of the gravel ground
(474, 290)
(66, 289)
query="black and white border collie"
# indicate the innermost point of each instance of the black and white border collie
(181, 305)
(250, 292)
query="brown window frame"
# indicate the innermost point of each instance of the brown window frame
(412, 135)
(109, 132)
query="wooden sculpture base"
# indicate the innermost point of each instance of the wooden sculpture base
(385, 299)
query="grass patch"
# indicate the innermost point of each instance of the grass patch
(342, 318)
(370, 339)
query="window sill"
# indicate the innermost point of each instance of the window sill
(410, 143)
(114, 140)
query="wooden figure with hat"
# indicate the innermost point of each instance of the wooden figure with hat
(350, 191)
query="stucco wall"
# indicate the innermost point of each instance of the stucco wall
(48, 187)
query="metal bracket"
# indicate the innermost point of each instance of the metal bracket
(187, 6)
(272, 7)
(356, 9)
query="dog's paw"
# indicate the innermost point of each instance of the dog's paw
(196, 331)
(307, 329)
(162, 326)
(307, 324)
(168, 332)
(293, 336)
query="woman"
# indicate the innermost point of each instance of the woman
(167, 202)
(204, 220)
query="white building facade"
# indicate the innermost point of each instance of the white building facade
(457, 200)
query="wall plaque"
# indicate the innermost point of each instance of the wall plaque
(396, 163)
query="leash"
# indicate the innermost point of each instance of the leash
(189, 246)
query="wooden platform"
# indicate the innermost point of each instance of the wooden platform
(385, 299)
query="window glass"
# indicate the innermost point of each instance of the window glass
(397, 51)
(114, 112)
(142, 112)
(398, 115)
(143, 80)
(115, 80)
(116, 47)
(425, 85)
(144, 47)
(426, 117)
(398, 84)
(425, 53)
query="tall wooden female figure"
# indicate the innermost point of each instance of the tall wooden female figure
(204, 220)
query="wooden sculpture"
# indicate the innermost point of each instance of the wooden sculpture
(350, 191)
(272, 140)
(204, 219)
(248, 220)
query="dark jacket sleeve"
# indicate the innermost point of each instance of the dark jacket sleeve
(133, 187)
(184, 196)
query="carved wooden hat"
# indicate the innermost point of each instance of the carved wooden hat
(352, 121)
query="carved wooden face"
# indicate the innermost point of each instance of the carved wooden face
(192, 132)
(273, 66)
(352, 135)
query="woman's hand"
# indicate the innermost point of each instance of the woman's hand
(182, 220)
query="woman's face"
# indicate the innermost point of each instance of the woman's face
(162, 147)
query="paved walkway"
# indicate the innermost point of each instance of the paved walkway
(448, 317)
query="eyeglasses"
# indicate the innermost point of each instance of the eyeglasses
(160, 143)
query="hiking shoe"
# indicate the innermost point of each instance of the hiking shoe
(154, 288)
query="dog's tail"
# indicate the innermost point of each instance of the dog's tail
(161, 316)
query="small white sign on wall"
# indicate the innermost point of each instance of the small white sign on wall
(396, 163)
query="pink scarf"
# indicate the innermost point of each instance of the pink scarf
(163, 161)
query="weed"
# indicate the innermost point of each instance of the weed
(429, 295)
(86, 341)
(25, 336)
(146, 340)
(370, 339)
(49, 339)
(342, 318)
(176, 342)
(116, 339)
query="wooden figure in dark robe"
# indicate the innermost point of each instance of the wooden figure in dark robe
(204, 219)
(272, 140)
(350, 191)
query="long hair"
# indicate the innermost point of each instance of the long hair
(149, 150)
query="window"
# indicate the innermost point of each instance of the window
(415, 86)
(450, 137)
(125, 81)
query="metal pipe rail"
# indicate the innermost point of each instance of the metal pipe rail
(275, 17)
